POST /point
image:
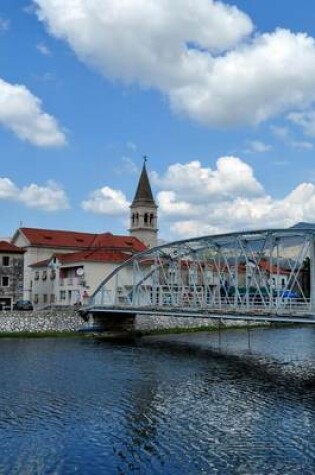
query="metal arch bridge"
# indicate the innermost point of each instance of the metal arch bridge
(257, 275)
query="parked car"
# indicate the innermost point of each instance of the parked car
(23, 305)
(289, 294)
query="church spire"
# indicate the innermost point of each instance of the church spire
(143, 211)
(144, 193)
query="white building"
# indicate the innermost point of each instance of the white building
(70, 278)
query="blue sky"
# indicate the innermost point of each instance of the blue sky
(218, 95)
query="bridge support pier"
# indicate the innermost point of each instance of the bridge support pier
(114, 323)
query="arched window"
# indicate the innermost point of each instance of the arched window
(151, 218)
(137, 218)
(146, 218)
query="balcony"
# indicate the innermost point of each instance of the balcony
(70, 282)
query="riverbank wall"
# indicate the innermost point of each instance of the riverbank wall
(42, 321)
(68, 320)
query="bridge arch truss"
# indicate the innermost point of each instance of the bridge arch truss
(268, 271)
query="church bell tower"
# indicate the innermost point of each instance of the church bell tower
(143, 211)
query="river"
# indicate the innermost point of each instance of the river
(204, 403)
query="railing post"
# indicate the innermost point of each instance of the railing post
(116, 290)
(312, 273)
(236, 294)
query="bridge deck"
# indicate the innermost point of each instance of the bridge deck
(258, 315)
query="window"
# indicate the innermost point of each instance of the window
(45, 299)
(36, 275)
(52, 298)
(192, 276)
(172, 276)
(36, 298)
(62, 295)
(5, 261)
(5, 281)
(53, 275)
(44, 276)
(208, 277)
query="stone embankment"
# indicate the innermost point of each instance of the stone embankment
(43, 321)
(67, 320)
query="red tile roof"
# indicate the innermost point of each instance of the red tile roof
(108, 240)
(41, 263)
(272, 268)
(95, 255)
(78, 240)
(56, 238)
(92, 255)
(9, 248)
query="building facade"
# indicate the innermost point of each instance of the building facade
(11, 274)
(68, 269)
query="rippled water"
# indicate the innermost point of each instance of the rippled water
(185, 404)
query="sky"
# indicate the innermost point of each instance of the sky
(219, 96)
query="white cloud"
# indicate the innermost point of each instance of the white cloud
(50, 197)
(7, 188)
(196, 183)
(285, 135)
(302, 145)
(4, 25)
(201, 54)
(132, 146)
(127, 167)
(257, 146)
(244, 213)
(305, 119)
(282, 78)
(21, 112)
(282, 133)
(194, 200)
(43, 49)
(107, 201)
(170, 205)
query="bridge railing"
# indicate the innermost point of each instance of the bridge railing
(263, 271)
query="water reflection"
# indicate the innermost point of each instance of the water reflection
(174, 404)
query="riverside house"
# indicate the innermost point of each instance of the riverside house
(65, 267)
(11, 274)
